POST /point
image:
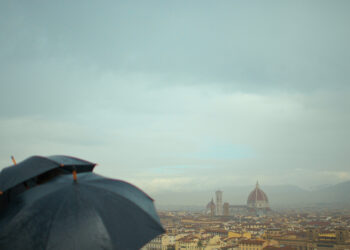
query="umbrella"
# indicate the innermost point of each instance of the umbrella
(92, 212)
(34, 166)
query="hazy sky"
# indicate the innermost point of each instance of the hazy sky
(177, 95)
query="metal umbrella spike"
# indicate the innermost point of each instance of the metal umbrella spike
(91, 212)
(37, 165)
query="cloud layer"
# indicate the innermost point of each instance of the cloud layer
(171, 95)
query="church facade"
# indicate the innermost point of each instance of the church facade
(257, 203)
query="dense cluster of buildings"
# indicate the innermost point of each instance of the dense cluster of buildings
(287, 230)
(253, 226)
(257, 203)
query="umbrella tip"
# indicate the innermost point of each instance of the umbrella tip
(75, 175)
(13, 160)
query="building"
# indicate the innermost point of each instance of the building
(314, 239)
(211, 208)
(161, 242)
(216, 231)
(226, 209)
(257, 244)
(213, 243)
(238, 209)
(188, 243)
(257, 200)
(257, 203)
(219, 206)
(252, 244)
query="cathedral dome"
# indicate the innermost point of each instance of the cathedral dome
(211, 204)
(211, 208)
(257, 198)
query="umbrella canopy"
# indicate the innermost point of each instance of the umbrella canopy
(72, 163)
(37, 165)
(90, 213)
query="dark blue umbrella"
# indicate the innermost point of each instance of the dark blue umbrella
(35, 166)
(91, 213)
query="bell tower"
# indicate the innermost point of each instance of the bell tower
(219, 203)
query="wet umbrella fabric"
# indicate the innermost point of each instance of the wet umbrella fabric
(36, 165)
(92, 213)
(72, 163)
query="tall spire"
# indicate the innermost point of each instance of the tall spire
(257, 184)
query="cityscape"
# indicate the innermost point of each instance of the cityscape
(175, 125)
(253, 226)
(257, 203)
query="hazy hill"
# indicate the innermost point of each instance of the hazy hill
(339, 193)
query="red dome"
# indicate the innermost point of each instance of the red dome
(257, 195)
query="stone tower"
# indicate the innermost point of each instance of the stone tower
(219, 207)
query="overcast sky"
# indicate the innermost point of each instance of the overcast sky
(177, 95)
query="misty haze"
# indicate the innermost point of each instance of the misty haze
(185, 98)
(174, 95)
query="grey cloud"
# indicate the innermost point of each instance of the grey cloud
(144, 85)
(288, 45)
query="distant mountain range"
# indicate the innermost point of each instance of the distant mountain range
(282, 196)
(339, 193)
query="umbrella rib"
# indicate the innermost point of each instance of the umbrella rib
(54, 219)
(88, 202)
(156, 223)
(20, 167)
(143, 211)
(72, 157)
